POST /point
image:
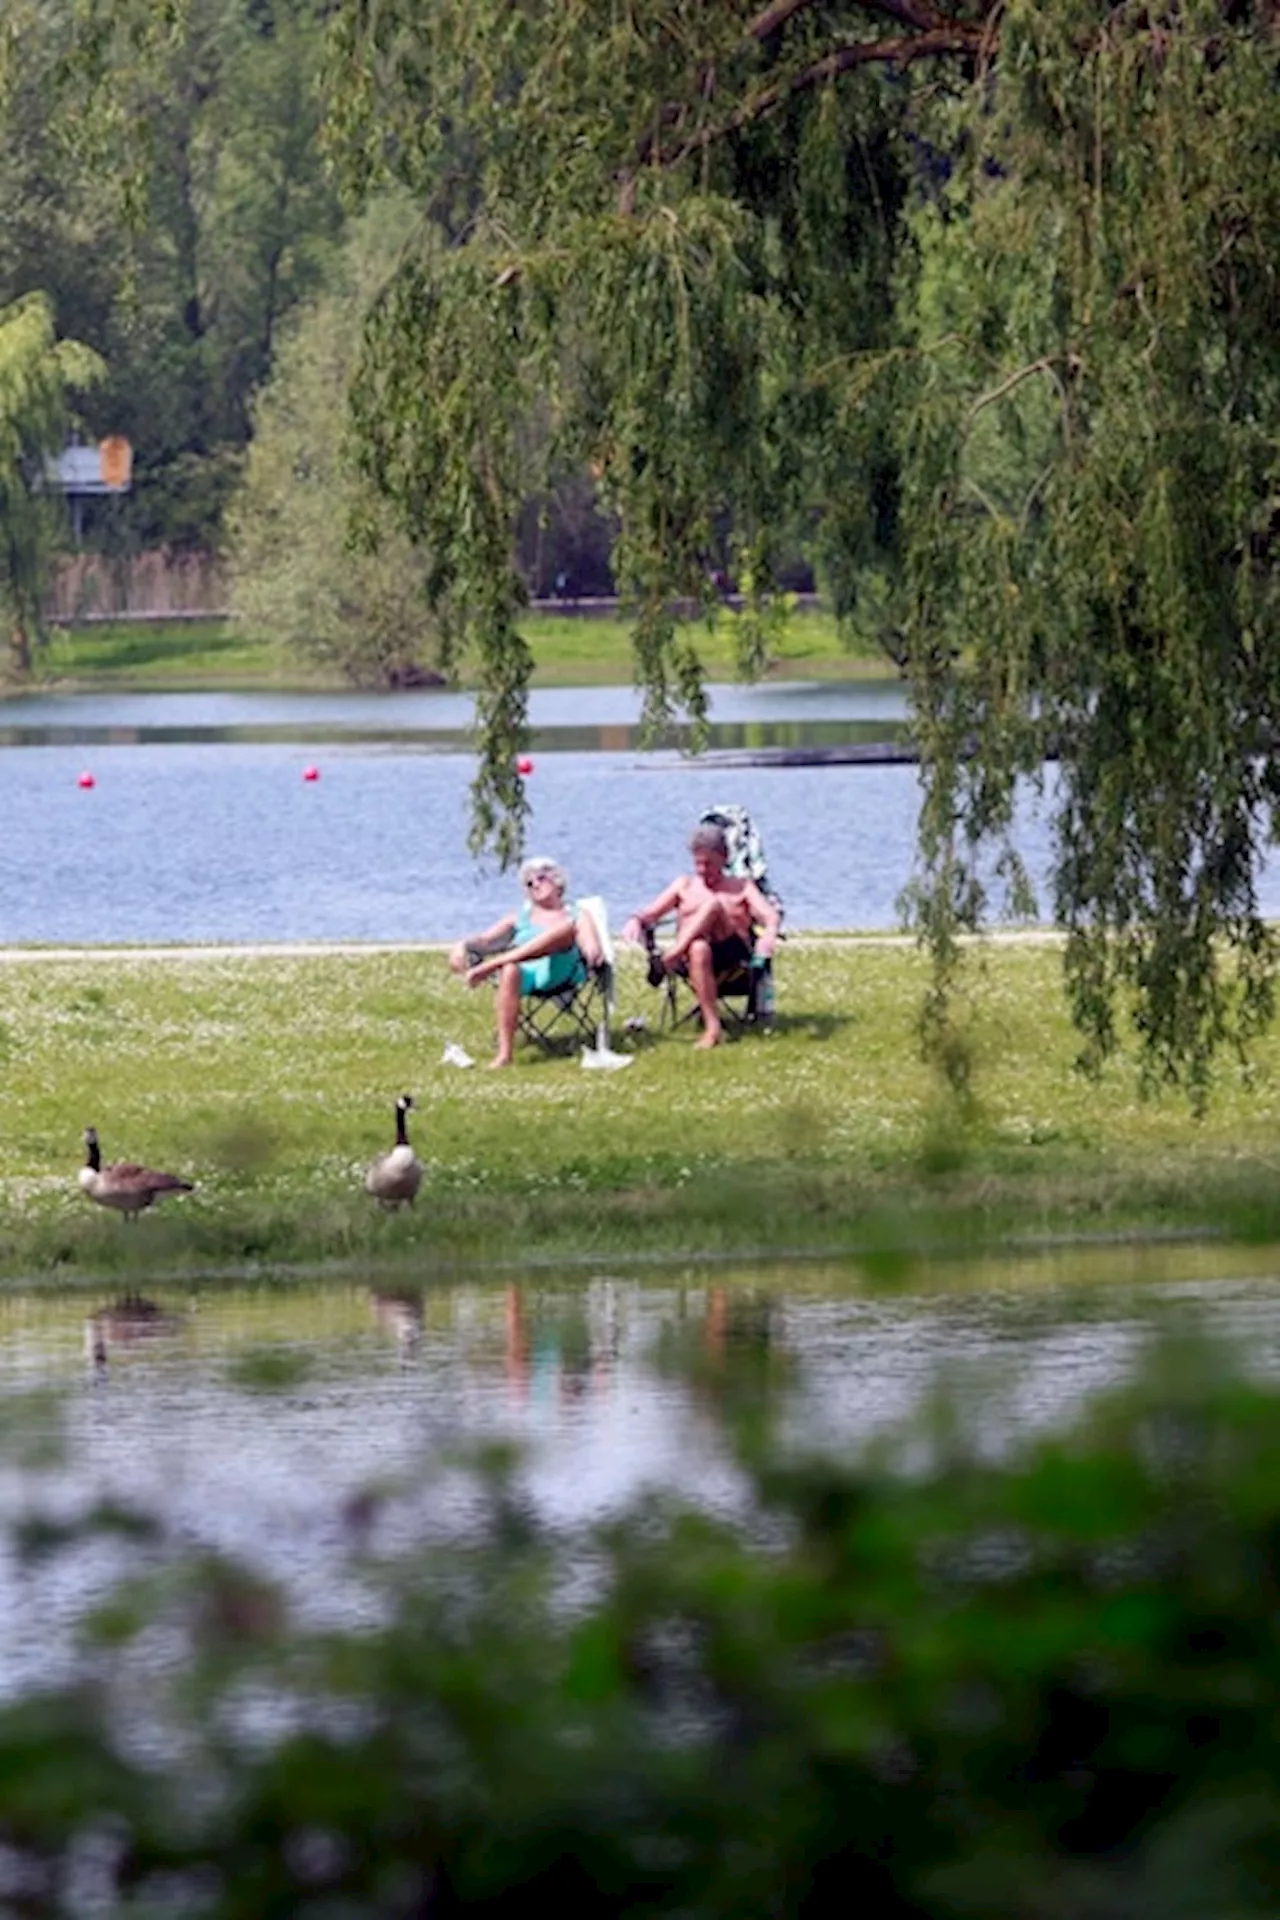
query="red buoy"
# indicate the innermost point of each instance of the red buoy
(311, 773)
(524, 764)
(86, 779)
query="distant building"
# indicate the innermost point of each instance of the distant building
(84, 473)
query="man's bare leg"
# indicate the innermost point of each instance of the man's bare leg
(705, 925)
(508, 1014)
(702, 978)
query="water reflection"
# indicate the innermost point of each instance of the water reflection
(591, 1379)
(821, 742)
(435, 712)
(558, 1359)
(124, 1325)
(401, 1315)
(738, 1321)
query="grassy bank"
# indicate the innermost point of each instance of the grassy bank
(270, 1082)
(568, 651)
(187, 656)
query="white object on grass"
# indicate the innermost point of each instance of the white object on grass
(604, 1059)
(455, 1056)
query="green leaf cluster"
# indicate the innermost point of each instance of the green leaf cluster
(297, 575)
(38, 375)
(164, 188)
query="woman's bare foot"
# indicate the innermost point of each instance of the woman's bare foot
(500, 1060)
(711, 1038)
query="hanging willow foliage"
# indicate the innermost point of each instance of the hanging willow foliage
(983, 297)
(1114, 238)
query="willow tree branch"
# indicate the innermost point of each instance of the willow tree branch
(930, 33)
(770, 18)
(890, 52)
(1049, 364)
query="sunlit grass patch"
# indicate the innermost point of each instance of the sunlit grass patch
(155, 653)
(270, 1082)
(568, 650)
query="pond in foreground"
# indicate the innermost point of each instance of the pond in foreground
(156, 1403)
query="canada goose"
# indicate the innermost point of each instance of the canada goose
(122, 1185)
(395, 1177)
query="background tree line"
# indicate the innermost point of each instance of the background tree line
(173, 213)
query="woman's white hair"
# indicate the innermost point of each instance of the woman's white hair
(540, 863)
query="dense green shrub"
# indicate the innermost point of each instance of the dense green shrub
(921, 1684)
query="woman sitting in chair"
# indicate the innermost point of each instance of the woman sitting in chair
(549, 943)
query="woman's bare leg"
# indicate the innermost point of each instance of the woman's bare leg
(508, 1014)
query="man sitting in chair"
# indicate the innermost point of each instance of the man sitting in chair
(716, 913)
(547, 944)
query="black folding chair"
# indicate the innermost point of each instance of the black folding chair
(744, 993)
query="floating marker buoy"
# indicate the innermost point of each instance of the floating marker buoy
(86, 779)
(524, 764)
(311, 773)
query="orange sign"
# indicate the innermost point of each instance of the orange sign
(116, 457)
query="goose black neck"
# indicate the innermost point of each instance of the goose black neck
(402, 1138)
(94, 1152)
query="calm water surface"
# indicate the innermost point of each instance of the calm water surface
(433, 713)
(153, 1404)
(201, 828)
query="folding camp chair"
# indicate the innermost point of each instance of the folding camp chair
(578, 1013)
(744, 995)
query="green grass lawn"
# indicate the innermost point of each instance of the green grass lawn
(579, 651)
(270, 1082)
(189, 655)
(568, 651)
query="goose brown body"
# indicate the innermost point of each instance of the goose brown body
(124, 1185)
(395, 1176)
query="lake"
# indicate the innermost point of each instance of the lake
(155, 1403)
(201, 828)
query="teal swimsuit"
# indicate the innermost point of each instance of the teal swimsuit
(564, 969)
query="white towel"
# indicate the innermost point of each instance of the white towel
(455, 1056)
(605, 1060)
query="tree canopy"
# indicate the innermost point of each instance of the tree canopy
(362, 612)
(38, 375)
(980, 296)
(164, 189)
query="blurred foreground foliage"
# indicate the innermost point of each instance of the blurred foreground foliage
(928, 1681)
